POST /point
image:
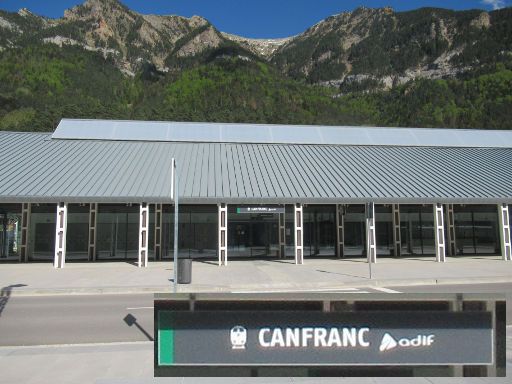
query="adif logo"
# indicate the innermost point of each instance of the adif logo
(388, 342)
(238, 336)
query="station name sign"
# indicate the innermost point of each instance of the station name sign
(260, 210)
(282, 338)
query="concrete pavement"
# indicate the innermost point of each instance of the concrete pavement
(132, 363)
(248, 275)
(50, 320)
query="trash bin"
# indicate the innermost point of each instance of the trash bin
(184, 271)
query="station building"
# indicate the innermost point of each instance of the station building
(98, 190)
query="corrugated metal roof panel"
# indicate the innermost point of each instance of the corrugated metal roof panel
(38, 169)
(278, 134)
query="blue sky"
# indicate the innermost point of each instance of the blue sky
(255, 18)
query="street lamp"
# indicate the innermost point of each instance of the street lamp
(175, 196)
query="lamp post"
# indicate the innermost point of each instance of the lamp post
(175, 196)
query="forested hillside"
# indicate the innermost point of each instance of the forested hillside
(105, 61)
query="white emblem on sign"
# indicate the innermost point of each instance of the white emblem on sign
(238, 336)
(387, 343)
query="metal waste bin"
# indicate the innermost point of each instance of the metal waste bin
(184, 271)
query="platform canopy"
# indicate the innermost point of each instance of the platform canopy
(472, 167)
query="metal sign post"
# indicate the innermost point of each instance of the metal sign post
(370, 230)
(175, 196)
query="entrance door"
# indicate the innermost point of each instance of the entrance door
(253, 235)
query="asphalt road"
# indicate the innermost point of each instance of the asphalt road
(51, 320)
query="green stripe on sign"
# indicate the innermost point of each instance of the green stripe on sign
(165, 338)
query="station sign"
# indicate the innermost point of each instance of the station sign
(260, 210)
(293, 338)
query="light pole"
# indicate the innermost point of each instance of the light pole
(175, 195)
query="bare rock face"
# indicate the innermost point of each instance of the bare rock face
(261, 47)
(137, 37)
(209, 38)
(482, 21)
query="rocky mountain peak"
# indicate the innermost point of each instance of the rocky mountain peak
(95, 9)
(24, 12)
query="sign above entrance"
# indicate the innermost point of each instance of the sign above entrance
(213, 338)
(260, 210)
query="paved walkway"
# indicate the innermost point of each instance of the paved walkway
(249, 275)
(132, 363)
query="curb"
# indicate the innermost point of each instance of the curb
(199, 288)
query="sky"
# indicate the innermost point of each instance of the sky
(255, 18)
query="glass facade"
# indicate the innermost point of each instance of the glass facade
(354, 224)
(417, 230)
(250, 235)
(77, 237)
(117, 236)
(477, 230)
(384, 230)
(10, 232)
(42, 232)
(197, 231)
(253, 234)
(320, 230)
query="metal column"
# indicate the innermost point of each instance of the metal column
(340, 234)
(506, 243)
(158, 231)
(93, 219)
(397, 237)
(298, 234)
(143, 235)
(223, 234)
(59, 259)
(450, 224)
(282, 235)
(439, 233)
(25, 225)
(371, 246)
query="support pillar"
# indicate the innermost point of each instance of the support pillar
(93, 219)
(25, 225)
(340, 234)
(282, 235)
(299, 234)
(223, 234)
(506, 242)
(158, 231)
(371, 246)
(143, 235)
(439, 233)
(59, 259)
(397, 236)
(450, 224)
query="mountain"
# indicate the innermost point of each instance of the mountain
(428, 67)
(380, 48)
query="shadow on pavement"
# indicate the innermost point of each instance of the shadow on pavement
(132, 320)
(344, 274)
(5, 294)
(206, 262)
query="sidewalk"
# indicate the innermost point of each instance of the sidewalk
(132, 363)
(248, 275)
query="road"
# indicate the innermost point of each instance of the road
(85, 339)
(51, 320)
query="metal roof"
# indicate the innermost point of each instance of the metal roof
(36, 168)
(278, 134)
